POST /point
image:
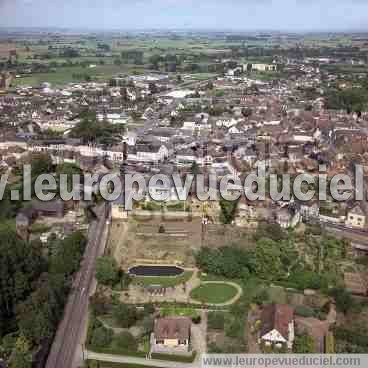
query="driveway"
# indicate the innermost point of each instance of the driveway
(199, 336)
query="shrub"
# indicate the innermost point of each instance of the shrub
(107, 271)
(125, 340)
(147, 324)
(304, 311)
(101, 337)
(261, 297)
(307, 280)
(149, 309)
(344, 301)
(125, 315)
(235, 329)
(196, 320)
(216, 320)
(352, 337)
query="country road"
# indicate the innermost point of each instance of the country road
(63, 353)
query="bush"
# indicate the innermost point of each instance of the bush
(308, 280)
(235, 329)
(107, 271)
(352, 337)
(102, 337)
(149, 309)
(344, 301)
(216, 320)
(196, 320)
(261, 297)
(125, 315)
(147, 324)
(125, 340)
(304, 311)
(362, 260)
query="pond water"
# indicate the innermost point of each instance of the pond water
(156, 271)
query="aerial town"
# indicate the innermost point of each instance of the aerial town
(93, 283)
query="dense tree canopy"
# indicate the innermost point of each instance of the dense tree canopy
(351, 100)
(107, 271)
(33, 291)
(269, 260)
(228, 211)
(20, 265)
(90, 130)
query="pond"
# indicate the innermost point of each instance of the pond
(163, 271)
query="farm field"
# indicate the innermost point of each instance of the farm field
(66, 75)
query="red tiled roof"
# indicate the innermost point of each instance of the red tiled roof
(277, 317)
(172, 328)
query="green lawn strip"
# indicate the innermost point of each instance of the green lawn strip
(98, 364)
(177, 311)
(185, 305)
(167, 281)
(174, 358)
(113, 351)
(214, 293)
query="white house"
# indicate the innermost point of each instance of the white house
(146, 153)
(226, 122)
(356, 218)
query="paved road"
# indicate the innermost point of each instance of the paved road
(141, 361)
(68, 336)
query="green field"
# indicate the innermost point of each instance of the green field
(214, 293)
(175, 311)
(63, 75)
(163, 281)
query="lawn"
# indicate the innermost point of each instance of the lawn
(169, 281)
(175, 311)
(95, 364)
(214, 293)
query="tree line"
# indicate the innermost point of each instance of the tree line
(33, 291)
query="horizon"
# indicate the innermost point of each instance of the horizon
(295, 16)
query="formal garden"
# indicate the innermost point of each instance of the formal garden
(215, 293)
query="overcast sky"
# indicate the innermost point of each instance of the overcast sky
(297, 15)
